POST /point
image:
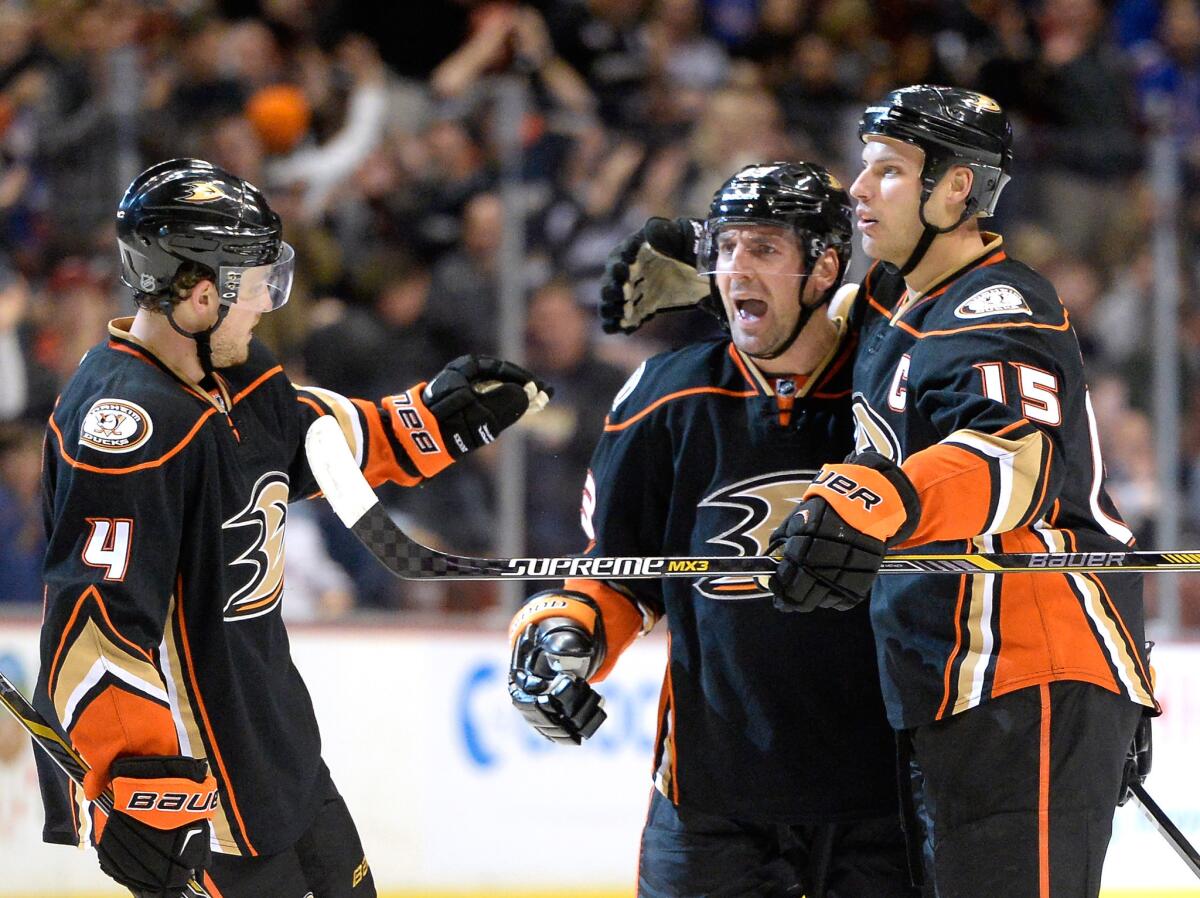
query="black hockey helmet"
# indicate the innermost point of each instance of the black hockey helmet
(188, 210)
(801, 196)
(953, 126)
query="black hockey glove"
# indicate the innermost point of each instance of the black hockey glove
(1138, 761)
(557, 643)
(156, 839)
(652, 270)
(471, 400)
(832, 545)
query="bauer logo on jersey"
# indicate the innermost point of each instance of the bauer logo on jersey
(998, 300)
(761, 504)
(114, 425)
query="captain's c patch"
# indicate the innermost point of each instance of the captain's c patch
(115, 425)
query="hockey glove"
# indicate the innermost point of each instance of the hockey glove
(652, 270)
(557, 643)
(156, 839)
(471, 400)
(832, 545)
(1138, 761)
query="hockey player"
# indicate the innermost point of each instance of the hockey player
(1016, 696)
(169, 463)
(774, 767)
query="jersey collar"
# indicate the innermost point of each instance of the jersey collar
(122, 340)
(993, 244)
(805, 383)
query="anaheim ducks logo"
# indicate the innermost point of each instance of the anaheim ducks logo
(266, 512)
(115, 425)
(203, 192)
(764, 502)
(872, 432)
(982, 102)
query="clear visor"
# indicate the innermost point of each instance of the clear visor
(749, 247)
(259, 288)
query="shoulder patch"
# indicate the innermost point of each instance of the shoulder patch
(630, 385)
(115, 425)
(999, 299)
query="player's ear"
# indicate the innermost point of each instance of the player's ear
(825, 270)
(958, 184)
(203, 295)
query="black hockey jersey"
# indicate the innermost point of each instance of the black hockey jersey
(763, 716)
(977, 387)
(165, 506)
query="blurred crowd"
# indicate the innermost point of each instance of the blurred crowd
(375, 132)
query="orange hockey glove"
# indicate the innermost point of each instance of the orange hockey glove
(832, 545)
(157, 837)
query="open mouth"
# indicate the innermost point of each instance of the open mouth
(751, 309)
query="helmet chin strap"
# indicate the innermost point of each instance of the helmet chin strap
(806, 313)
(203, 339)
(930, 230)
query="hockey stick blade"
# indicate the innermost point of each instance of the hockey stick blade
(61, 752)
(356, 504)
(1166, 828)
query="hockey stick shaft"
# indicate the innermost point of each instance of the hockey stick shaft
(63, 754)
(1166, 828)
(356, 504)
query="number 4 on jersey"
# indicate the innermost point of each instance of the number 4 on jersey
(108, 546)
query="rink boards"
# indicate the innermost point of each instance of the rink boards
(450, 788)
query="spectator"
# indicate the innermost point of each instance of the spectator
(22, 540)
(558, 336)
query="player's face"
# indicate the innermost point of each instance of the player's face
(757, 270)
(231, 341)
(887, 195)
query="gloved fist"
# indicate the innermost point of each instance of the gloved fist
(476, 397)
(1138, 761)
(652, 270)
(157, 837)
(558, 642)
(464, 407)
(830, 548)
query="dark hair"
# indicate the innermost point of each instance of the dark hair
(187, 277)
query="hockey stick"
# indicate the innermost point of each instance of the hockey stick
(61, 752)
(356, 504)
(1166, 828)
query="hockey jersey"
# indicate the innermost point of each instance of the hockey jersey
(977, 387)
(763, 716)
(165, 507)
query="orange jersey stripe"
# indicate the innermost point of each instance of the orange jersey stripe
(1044, 796)
(691, 391)
(956, 651)
(228, 796)
(118, 723)
(1041, 625)
(161, 460)
(256, 383)
(622, 620)
(90, 593)
(955, 487)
